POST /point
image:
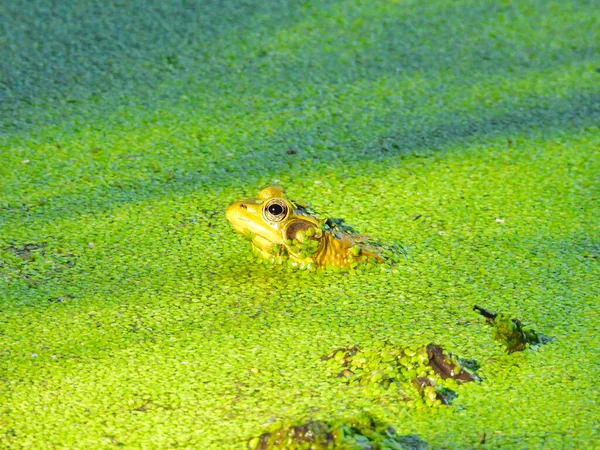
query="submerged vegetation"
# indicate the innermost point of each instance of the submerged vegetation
(466, 130)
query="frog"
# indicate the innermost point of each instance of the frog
(280, 228)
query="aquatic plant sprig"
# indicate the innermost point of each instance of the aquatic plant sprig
(511, 332)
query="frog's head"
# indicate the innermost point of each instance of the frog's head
(272, 222)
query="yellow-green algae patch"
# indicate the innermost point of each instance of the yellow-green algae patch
(466, 130)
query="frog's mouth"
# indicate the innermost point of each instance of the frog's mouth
(238, 225)
(257, 240)
(247, 227)
(244, 227)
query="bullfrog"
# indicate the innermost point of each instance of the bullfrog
(280, 228)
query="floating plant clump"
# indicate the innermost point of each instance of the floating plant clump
(362, 432)
(511, 332)
(424, 375)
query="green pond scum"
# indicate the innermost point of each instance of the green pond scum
(130, 315)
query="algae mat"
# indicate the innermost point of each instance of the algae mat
(130, 315)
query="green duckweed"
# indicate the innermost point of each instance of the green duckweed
(131, 314)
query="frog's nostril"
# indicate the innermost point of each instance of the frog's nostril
(243, 206)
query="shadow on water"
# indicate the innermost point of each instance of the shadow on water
(60, 53)
(310, 56)
(388, 150)
(87, 58)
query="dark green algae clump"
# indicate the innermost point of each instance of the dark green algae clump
(423, 376)
(362, 432)
(511, 332)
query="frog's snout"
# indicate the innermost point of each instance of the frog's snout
(231, 211)
(237, 214)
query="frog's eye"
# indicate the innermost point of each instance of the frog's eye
(275, 210)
